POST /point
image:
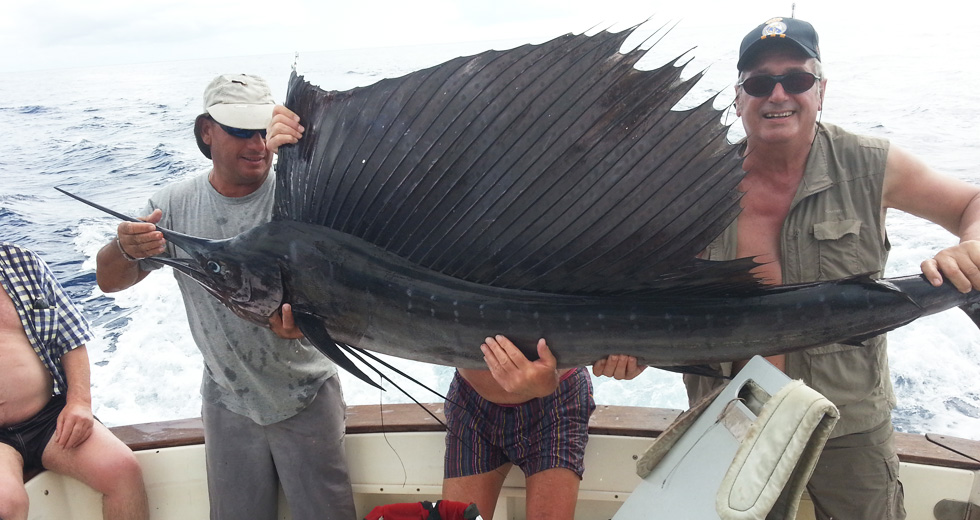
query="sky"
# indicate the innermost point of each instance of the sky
(55, 34)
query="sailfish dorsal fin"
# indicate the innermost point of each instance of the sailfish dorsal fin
(557, 167)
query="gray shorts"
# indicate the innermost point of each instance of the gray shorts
(305, 453)
(857, 478)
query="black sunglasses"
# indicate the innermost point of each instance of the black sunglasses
(241, 133)
(793, 83)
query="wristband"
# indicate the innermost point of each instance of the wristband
(125, 255)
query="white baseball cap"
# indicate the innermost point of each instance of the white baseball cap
(235, 100)
(239, 101)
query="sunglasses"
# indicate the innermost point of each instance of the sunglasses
(241, 133)
(793, 83)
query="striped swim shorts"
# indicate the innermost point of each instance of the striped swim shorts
(545, 433)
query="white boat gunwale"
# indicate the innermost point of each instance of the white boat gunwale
(408, 430)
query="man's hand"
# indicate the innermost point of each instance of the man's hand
(283, 325)
(283, 129)
(116, 263)
(74, 425)
(515, 373)
(141, 239)
(618, 367)
(960, 265)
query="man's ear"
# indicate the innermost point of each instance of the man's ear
(206, 128)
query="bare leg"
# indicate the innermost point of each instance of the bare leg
(552, 494)
(108, 466)
(13, 496)
(482, 489)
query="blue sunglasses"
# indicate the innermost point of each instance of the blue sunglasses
(241, 133)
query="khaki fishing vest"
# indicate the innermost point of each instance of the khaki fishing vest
(835, 229)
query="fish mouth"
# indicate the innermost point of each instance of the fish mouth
(193, 246)
(190, 267)
(206, 268)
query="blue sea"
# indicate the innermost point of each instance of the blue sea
(116, 134)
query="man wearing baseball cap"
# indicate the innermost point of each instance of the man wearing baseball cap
(272, 405)
(814, 205)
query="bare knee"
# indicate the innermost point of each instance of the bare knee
(117, 474)
(13, 502)
(124, 472)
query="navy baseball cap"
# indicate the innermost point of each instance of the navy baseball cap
(798, 32)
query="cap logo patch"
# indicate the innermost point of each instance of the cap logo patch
(774, 28)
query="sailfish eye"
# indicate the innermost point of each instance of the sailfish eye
(214, 267)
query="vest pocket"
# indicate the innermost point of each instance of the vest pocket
(838, 243)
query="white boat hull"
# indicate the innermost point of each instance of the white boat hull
(177, 486)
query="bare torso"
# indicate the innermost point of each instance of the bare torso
(765, 206)
(483, 382)
(26, 384)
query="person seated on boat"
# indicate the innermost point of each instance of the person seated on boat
(814, 204)
(517, 411)
(272, 406)
(46, 416)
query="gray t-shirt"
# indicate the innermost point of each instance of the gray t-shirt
(247, 368)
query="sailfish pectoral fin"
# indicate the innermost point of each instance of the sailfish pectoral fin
(318, 335)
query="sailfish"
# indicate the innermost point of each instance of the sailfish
(548, 190)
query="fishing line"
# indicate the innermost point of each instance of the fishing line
(384, 433)
(356, 352)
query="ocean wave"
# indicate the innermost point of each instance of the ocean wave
(78, 156)
(28, 110)
(13, 226)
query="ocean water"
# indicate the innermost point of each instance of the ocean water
(117, 134)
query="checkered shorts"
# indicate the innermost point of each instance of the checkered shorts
(544, 433)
